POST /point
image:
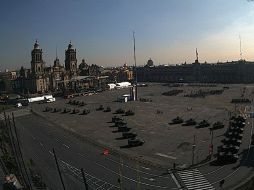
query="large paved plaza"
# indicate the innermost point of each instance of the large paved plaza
(164, 143)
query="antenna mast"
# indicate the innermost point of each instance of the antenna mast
(240, 47)
(135, 62)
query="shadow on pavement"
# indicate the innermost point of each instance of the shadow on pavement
(120, 138)
(125, 146)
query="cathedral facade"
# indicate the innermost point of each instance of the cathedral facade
(42, 79)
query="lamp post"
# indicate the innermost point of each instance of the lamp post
(193, 149)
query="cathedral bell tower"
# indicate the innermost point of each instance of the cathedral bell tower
(71, 60)
(37, 64)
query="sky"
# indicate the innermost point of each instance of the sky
(167, 31)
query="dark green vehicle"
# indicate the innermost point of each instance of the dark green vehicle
(217, 125)
(203, 124)
(176, 120)
(189, 122)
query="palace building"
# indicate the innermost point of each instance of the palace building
(240, 71)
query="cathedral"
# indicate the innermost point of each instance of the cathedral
(42, 79)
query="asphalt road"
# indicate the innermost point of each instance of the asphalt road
(39, 137)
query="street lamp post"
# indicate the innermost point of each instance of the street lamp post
(193, 149)
(211, 145)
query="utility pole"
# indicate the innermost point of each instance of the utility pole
(84, 178)
(211, 145)
(193, 149)
(58, 169)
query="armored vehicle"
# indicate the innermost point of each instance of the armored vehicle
(177, 120)
(189, 122)
(203, 124)
(128, 135)
(135, 142)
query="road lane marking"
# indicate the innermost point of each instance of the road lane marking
(211, 172)
(145, 168)
(41, 144)
(166, 156)
(51, 153)
(94, 180)
(194, 179)
(176, 181)
(131, 168)
(65, 145)
(130, 179)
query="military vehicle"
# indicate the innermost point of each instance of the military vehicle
(115, 119)
(85, 112)
(189, 122)
(123, 128)
(47, 109)
(217, 125)
(227, 157)
(203, 124)
(108, 109)
(135, 142)
(120, 111)
(120, 123)
(176, 120)
(82, 104)
(74, 111)
(100, 108)
(56, 110)
(66, 110)
(129, 112)
(128, 135)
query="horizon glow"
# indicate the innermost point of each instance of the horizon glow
(166, 31)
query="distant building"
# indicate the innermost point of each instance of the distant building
(124, 74)
(71, 60)
(230, 72)
(57, 78)
(6, 80)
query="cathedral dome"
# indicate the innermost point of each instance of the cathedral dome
(150, 63)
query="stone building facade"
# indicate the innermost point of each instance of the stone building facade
(230, 72)
(56, 78)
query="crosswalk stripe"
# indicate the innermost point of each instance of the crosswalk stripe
(194, 179)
